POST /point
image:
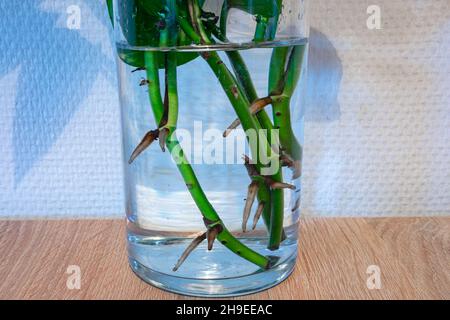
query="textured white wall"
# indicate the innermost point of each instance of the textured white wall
(378, 113)
(383, 146)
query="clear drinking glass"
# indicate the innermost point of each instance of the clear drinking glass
(188, 69)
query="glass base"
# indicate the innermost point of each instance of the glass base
(222, 288)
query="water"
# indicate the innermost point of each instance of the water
(163, 218)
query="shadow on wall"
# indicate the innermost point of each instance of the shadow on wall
(324, 79)
(58, 66)
(57, 69)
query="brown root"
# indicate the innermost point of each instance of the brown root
(286, 160)
(256, 107)
(194, 244)
(144, 144)
(212, 234)
(297, 170)
(253, 172)
(252, 192)
(163, 134)
(295, 165)
(258, 214)
(279, 185)
(251, 168)
(236, 123)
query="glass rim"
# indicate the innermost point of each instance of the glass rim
(220, 46)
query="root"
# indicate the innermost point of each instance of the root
(253, 173)
(295, 165)
(252, 192)
(258, 214)
(194, 244)
(212, 234)
(144, 144)
(163, 134)
(256, 107)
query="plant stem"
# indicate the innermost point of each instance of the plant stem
(187, 28)
(223, 18)
(264, 194)
(244, 78)
(230, 85)
(171, 67)
(241, 106)
(195, 15)
(207, 210)
(286, 67)
(273, 213)
(154, 93)
(261, 29)
(186, 171)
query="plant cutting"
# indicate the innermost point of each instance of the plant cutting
(164, 37)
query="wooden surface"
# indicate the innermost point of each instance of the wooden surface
(413, 255)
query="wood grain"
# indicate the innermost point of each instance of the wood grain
(412, 253)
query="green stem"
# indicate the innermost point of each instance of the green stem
(207, 210)
(277, 72)
(154, 93)
(223, 18)
(187, 28)
(109, 4)
(264, 194)
(231, 87)
(276, 219)
(272, 27)
(195, 14)
(282, 116)
(294, 69)
(286, 67)
(274, 202)
(171, 65)
(273, 214)
(186, 171)
(241, 106)
(244, 78)
(261, 29)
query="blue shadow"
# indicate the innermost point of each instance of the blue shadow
(57, 70)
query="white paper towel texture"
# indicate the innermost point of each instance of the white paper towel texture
(378, 112)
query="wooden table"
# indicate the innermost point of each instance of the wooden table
(413, 255)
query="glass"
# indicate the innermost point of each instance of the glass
(218, 85)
